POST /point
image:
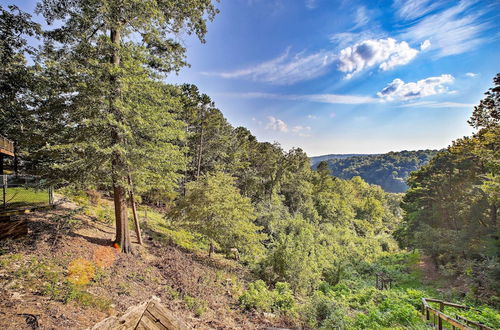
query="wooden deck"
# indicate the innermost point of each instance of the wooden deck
(6, 147)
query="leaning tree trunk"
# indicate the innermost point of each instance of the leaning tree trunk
(134, 211)
(118, 161)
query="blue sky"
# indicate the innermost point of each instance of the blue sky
(347, 76)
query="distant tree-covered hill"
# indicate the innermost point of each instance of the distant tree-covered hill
(317, 159)
(388, 170)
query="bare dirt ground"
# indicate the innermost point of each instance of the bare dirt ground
(200, 291)
(429, 270)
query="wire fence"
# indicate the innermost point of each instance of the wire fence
(20, 192)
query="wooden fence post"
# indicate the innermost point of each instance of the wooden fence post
(4, 188)
(440, 321)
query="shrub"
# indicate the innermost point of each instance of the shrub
(197, 306)
(257, 297)
(323, 310)
(260, 298)
(81, 271)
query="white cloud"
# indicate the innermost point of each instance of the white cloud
(276, 124)
(399, 90)
(279, 125)
(425, 44)
(312, 117)
(285, 69)
(344, 39)
(431, 104)
(413, 9)
(386, 53)
(452, 31)
(471, 74)
(320, 98)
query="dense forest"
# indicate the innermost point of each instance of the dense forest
(91, 114)
(389, 170)
(452, 204)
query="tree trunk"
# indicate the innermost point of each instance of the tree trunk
(494, 211)
(122, 230)
(1, 164)
(119, 163)
(211, 249)
(200, 151)
(134, 211)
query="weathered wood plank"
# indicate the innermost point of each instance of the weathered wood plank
(150, 315)
(13, 228)
(129, 320)
(150, 322)
(166, 317)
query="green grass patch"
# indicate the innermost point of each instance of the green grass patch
(18, 197)
(160, 228)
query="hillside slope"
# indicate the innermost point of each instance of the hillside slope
(388, 170)
(66, 275)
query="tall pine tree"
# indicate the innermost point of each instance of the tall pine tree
(113, 116)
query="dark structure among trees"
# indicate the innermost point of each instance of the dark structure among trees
(6, 149)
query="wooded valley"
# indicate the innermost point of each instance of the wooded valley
(284, 243)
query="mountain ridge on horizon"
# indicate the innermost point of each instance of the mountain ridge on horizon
(388, 170)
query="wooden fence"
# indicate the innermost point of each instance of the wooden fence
(438, 316)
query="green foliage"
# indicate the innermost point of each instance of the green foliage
(214, 208)
(389, 170)
(171, 233)
(49, 279)
(452, 210)
(197, 306)
(487, 113)
(259, 297)
(482, 314)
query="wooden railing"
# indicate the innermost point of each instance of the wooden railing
(6, 146)
(438, 316)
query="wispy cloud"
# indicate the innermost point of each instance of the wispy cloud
(320, 98)
(360, 18)
(399, 90)
(413, 9)
(386, 53)
(337, 98)
(452, 31)
(431, 104)
(301, 130)
(311, 4)
(286, 69)
(471, 74)
(344, 39)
